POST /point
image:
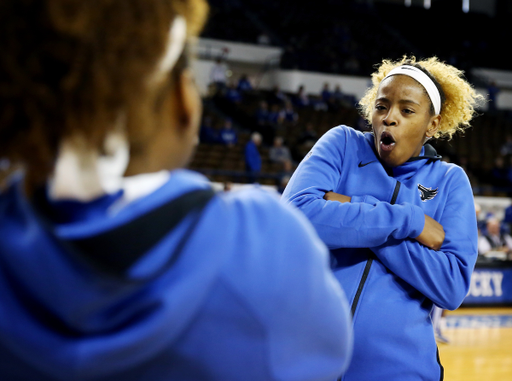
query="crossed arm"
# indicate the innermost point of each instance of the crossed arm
(440, 263)
(432, 235)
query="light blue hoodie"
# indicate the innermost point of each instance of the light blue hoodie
(250, 297)
(390, 279)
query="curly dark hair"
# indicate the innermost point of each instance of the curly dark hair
(67, 67)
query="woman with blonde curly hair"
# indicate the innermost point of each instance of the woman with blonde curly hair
(115, 264)
(400, 223)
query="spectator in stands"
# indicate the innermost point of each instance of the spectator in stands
(285, 176)
(506, 148)
(244, 85)
(337, 95)
(290, 116)
(305, 141)
(326, 93)
(232, 94)
(116, 263)
(327, 97)
(283, 182)
(265, 120)
(309, 136)
(207, 133)
(227, 134)
(480, 222)
(301, 99)
(218, 75)
(253, 157)
(507, 219)
(279, 153)
(494, 239)
(277, 97)
(261, 113)
(276, 116)
(500, 173)
(274, 124)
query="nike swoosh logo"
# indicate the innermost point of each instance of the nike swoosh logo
(361, 165)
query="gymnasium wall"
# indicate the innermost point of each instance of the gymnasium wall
(260, 63)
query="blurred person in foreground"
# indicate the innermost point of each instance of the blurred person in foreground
(399, 221)
(115, 264)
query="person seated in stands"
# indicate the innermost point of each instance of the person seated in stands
(500, 173)
(208, 134)
(285, 176)
(309, 136)
(227, 135)
(244, 85)
(276, 115)
(337, 95)
(261, 114)
(277, 96)
(253, 157)
(494, 239)
(290, 116)
(232, 94)
(265, 120)
(326, 93)
(279, 153)
(301, 99)
(327, 97)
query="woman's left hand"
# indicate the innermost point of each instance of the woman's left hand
(332, 196)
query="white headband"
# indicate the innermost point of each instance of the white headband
(175, 45)
(424, 80)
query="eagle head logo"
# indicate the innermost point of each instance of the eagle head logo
(427, 193)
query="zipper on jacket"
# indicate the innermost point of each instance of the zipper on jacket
(369, 262)
(361, 284)
(367, 267)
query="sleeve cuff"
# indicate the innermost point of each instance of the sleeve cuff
(417, 221)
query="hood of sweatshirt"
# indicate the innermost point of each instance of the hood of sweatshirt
(61, 317)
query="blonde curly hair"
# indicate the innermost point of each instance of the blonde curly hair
(459, 99)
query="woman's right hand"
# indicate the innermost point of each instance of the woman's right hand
(432, 235)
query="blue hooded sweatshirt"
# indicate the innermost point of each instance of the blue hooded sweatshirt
(390, 279)
(250, 297)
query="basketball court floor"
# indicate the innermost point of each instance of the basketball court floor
(480, 344)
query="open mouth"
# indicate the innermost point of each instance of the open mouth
(387, 142)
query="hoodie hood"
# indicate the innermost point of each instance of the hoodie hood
(62, 318)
